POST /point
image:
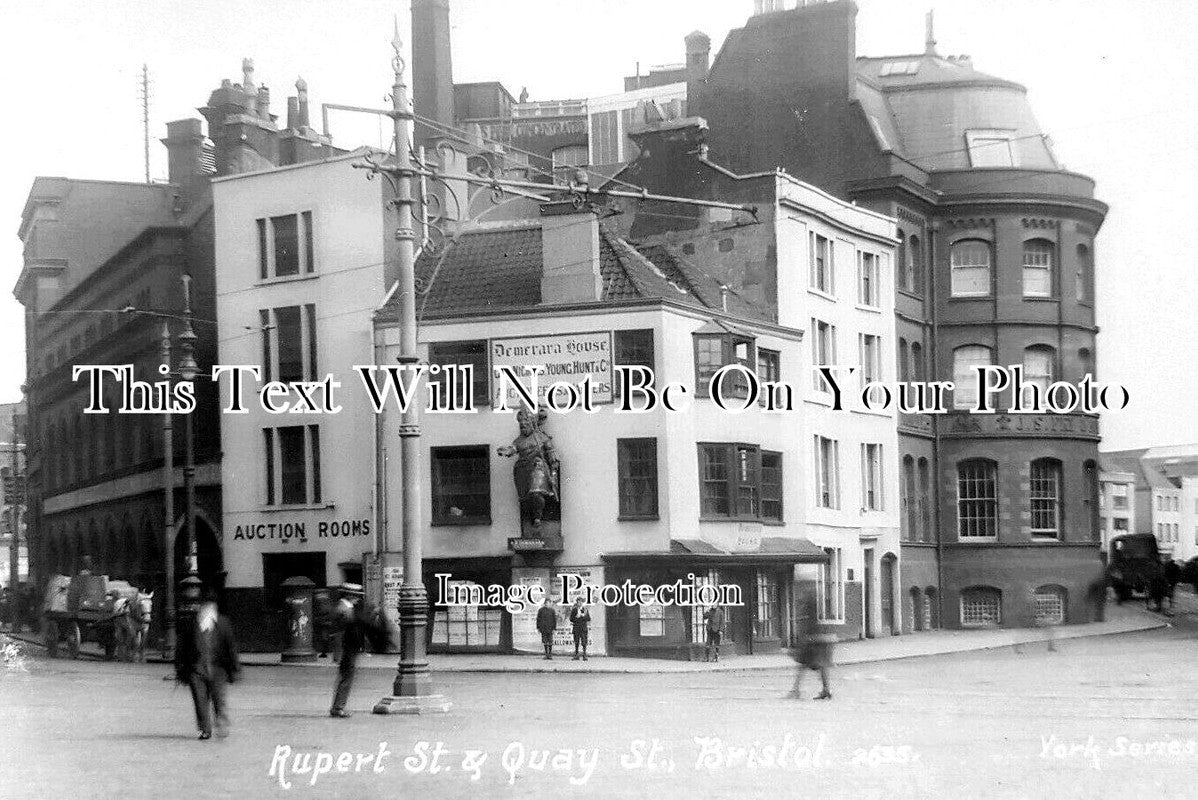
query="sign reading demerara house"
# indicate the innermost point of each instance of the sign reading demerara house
(566, 358)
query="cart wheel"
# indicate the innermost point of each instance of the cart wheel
(50, 637)
(74, 639)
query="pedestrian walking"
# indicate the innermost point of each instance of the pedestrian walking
(1172, 578)
(580, 620)
(355, 629)
(547, 624)
(713, 623)
(324, 628)
(815, 646)
(206, 660)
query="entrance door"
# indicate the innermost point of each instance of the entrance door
(278, 567)
(887, 590)
(869, 593)
(739, 619)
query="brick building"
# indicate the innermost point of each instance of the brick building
(996, 266)
(103, 273)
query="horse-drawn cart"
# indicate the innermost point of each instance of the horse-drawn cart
(90, 608)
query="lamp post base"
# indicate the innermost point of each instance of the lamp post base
(421, 704)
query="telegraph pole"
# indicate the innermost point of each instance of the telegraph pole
(145, 115)
(411, 692)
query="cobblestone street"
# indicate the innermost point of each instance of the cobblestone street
(1101, 717)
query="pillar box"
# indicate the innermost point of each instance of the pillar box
(297, 603)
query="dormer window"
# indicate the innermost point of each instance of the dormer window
(991, 148)
(906, 67)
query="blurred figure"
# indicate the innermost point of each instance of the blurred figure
(206, 660)
(324, 623)
(1172, 578)
(815, 644)
(350, 618)
(713, 622)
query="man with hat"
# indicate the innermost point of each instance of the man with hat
(206, 660)
(348, 614)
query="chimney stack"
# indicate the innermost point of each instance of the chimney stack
(929, 39)
(698, 53)
(301, 94)
(263, 103)
(570, 254)
(432, 67)
(184, 145)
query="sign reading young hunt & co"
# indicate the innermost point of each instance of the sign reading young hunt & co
(566, 358)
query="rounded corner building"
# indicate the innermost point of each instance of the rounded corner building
(995, 266)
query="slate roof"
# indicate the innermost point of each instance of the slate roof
(498, 268)
(923, 116)
(1150, 470)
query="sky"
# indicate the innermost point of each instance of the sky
(1111, 82)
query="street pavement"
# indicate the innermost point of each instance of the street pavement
(1111, 716)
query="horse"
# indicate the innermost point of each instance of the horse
(131, 628)
(140, 612)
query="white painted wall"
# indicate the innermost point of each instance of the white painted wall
(586, 445)
(349, 227)
(804, 209)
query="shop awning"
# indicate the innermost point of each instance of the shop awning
(773, 550)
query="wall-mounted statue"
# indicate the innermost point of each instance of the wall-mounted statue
(536, 470)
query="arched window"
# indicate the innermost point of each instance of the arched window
(1050, 605)
(1045, 498)
(1037, 268)
(1085, 360)
(110, 421)
(977, 499)
(77, 446)
(903, 355)
(917, 366)
(1039, 369)
(1090, 483)
(128, 436)
(908, 500)
(965, 376)
(913, 266)
(970, 263)
(925, 502)
(1084, 277)
(981, 607)
(901, 255)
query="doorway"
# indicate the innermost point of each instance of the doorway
(869, 593)
(887, 591)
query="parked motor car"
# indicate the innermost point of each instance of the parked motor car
(1134, 565)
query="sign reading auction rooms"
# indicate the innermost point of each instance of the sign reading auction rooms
(567, 358)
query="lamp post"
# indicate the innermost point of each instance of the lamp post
(168, 499)
(188, 369)
(411, 692)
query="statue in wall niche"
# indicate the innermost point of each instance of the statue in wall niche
(536, 470)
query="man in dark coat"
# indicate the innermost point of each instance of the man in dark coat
(580, 621)
(355, 628)
(713, 623)
(206, 660)
(546, 625)
(1172, 578)
(815, 647)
